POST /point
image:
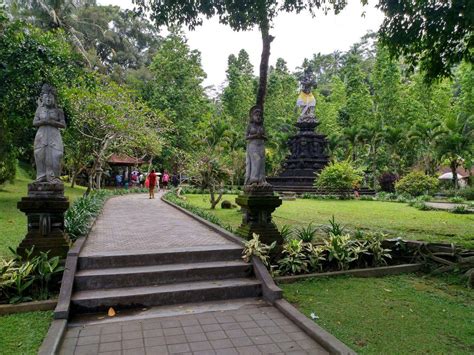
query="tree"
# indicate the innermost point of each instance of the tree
(106, 120)
(177, 91)
(240, 16)
(29, 57)
(457, 142)
(435, 34)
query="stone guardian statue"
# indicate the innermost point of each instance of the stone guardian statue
(48, 146)
(306, 101)
(255, 159)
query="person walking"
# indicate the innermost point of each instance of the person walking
(152, 183)
(165, 179)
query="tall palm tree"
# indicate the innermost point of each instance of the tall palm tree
(457, 142)
(425, 136)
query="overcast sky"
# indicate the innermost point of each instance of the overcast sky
(296, 37)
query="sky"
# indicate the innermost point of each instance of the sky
(296, 37)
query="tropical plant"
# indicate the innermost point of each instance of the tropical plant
(254, 247)
(373, 244)
(294, 260)
(343, 250)
(334, 227)
(286, 232)
(339, 176)
(416, 183)
(306, 234)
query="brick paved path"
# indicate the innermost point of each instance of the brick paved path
(136, 223)
(252, 329)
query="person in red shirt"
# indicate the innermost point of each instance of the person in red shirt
(152, 183)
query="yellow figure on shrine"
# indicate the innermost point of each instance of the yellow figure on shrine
(306, 101)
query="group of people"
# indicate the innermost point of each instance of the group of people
(155, 180)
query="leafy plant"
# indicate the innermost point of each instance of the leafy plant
(295, 260)
(373, 244)
(456, 199)
(460, 209)
(343, 250)
(315, 256)
(306, 234)
(416, 183)
(467, 193)
(334, 228)
(286, 232)
(254, 247)
(339, 176)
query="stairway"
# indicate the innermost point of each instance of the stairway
(171, 276)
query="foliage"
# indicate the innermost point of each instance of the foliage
(45, 57)
(343, 250)
(373, 244)
(26, 279)
(461, 209)
(437, 35)
(334, 227)
(416, 183)
(467, 193)
(306, 234)
(339, 176)
(286, 232)
(254, 247)
(294, 260)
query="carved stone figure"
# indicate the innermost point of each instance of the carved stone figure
(306, 101)
(255, 159)
(48, 146)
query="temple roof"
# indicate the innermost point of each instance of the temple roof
(123, 159)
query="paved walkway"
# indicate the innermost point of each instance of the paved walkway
(446, 206)
(135, 223)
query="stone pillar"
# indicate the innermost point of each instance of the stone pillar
(44, 207)
(257, 217)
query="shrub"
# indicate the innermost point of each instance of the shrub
(373, 244)
(467, 193)
(416, 183)
(460, 209)
(306, 234)
(343, 250)
(387, 182)
(456, 199)
(23, 280)
(295, 260)
(254, 247)
(339, 176)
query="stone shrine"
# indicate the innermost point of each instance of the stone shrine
(307, 148)
(46, 204)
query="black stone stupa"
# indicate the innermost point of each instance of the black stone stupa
(308, 149)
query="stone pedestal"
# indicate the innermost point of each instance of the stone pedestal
(257, 211)
(45, 207)
(307, 157)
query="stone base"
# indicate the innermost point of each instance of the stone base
(44, 208)
(257, 217)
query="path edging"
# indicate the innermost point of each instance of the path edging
(271, 292)
(368, 272)
(52, 341)
(323, 337)
(47, 305)
(64, 301)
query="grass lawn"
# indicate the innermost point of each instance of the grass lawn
(23, 333)
(12, 221)
(396, 219)
(405, 314)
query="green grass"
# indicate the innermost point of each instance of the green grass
(22, 333)
(396, 219)
(12, 221)
(403, 314)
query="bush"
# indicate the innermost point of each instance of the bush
(387, 182)
(339, 176)
(416, 183)
(467, 193)
(23, 280)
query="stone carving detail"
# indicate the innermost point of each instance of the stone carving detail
(255, 159)
(48, 144)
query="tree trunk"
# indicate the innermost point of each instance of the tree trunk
(262, 84)
(454, 166)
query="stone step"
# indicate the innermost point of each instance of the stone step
(186, 292)
(91, 279)
(167, 256)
